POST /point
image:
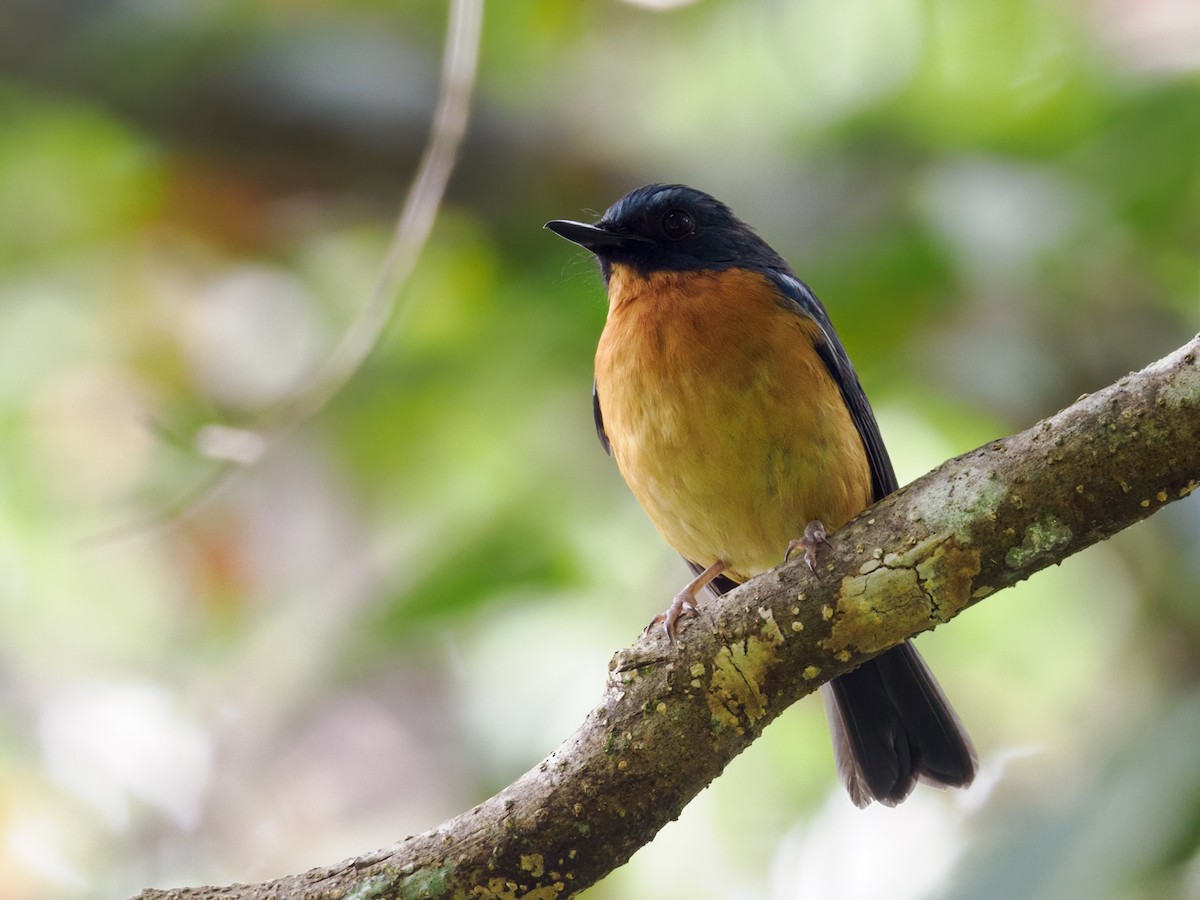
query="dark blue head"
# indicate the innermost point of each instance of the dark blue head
(670, 227)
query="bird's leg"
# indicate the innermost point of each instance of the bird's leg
(814, 535)
(685, 601)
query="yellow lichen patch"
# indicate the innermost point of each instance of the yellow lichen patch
(533, 864)
(811, 672)
(948, 575)
(499, 889)
(929, 582)
(769, 630)
(734, 689)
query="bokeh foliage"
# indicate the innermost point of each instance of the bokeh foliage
(413, 598)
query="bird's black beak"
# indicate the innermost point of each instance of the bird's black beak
(592, 237)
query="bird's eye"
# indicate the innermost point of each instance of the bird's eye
(678, 224)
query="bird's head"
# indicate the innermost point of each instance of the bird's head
(670, 227)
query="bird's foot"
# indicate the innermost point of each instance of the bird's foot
(685, 602)
(814, 536)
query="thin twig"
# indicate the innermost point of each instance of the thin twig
(451, 115)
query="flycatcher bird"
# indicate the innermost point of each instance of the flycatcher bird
(737, 420)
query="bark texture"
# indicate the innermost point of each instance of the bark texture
(672, 718)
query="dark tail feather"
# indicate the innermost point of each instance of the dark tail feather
(893, 726)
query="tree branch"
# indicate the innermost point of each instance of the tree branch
(672, 718)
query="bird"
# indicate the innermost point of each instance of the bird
(739, 423)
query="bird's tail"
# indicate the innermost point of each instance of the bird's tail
(892, 727)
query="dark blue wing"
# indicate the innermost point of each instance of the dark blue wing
(600, 433)
(830, 349)
(892, 725)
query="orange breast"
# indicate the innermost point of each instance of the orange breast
(723, 419)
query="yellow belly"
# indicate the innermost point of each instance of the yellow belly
(724, 421)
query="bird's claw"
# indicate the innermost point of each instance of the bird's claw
(684, 603)
(814, 536)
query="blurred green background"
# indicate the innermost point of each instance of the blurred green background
(999, 202)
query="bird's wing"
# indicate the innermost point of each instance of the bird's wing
(598, 416)
(830, 349)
